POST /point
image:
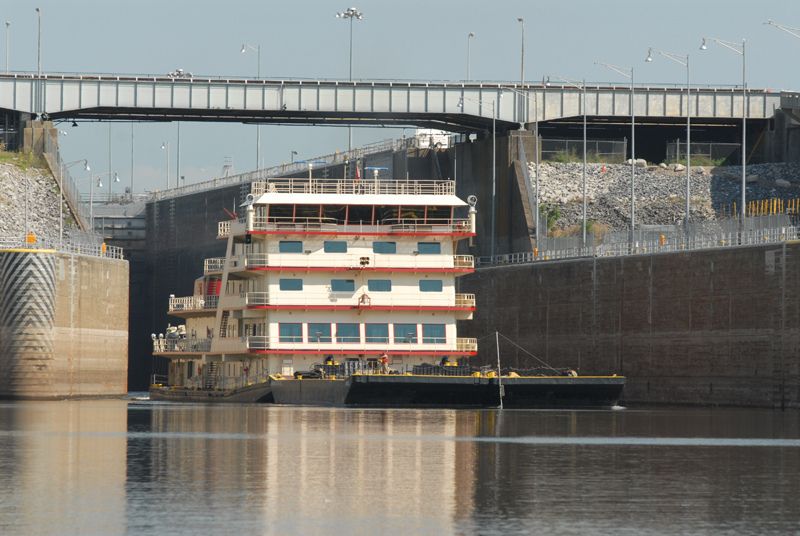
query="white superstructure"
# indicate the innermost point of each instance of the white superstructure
(328, 267)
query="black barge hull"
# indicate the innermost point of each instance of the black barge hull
(389, 391)
(258, 393)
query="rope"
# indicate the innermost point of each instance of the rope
(530, 354)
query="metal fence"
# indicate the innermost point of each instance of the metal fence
(658, 239)
(564, 150)
(718, 153)
(75, 248)
(68, 187)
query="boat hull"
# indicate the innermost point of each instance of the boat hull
(449, 391)
(259, 393)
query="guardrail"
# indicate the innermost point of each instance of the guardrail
(90, 250)
(193, 303)
(224, 229)
(304, 225)
(365, 186)
(351, 261)
(181, 345)
(352, 299)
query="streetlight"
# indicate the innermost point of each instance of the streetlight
(351, 13)
(682, 60)
(91, 192)
(165, 147)
(742, 51)
(628, 73)
(470, 37)
(39, 62)
(522, 55)
(494, 162)
(8, 44)
(61, 170)
(257, 50)
(788, 29)
(582, 87)
(292, 155)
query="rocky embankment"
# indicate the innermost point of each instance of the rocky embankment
(660, 191)
(17, 176)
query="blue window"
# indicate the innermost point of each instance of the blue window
(433, 334)
(335, 246)
(290, 246)
(347, 333)
(291, 332)
(377, 332)
(319, 333)
(379, 285)
(291, 284)
(405, 333)
(343, 285)
(430, 285)
(429, 248)
(384, 247)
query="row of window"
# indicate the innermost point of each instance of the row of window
(340, 246)
(351, 333)
(373, 285)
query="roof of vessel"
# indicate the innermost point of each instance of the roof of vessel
(274, 198)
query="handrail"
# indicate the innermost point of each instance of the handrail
(76, 248)
(348, 260)
(193, 303)
(393, 225)
(365, 186)
(69, 189)
(357, 299)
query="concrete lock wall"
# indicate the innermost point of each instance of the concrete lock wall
(63, 325)
(704, 327)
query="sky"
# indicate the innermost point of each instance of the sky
(413, 39)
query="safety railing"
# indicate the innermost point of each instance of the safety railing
(356, 346)
(74, 248)
(332, 260)
(363, 186)
(224, 229)
(161, 345)
(466, 344)
(429, 226)
(357, 300)
(214, 264)
(463, 261)
(68, 187)
(193, 303)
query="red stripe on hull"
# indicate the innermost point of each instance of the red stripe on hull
(356, 307)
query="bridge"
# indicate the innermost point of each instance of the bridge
(453, 106)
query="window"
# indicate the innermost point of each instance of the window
(290, 246)
(335, 246)
(429, 248)
(347, 333)
(405, 333)
(377, 332)
(384, 247)
(290, 332)
(430, 285)
(343, 285)
(319, 333)
(291, 284)
(379, 285)
(433, 334)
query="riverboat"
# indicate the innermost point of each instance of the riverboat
(343, 292)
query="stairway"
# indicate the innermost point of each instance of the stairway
(210, 376)
(223, 324)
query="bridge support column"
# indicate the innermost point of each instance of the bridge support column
(34, 133)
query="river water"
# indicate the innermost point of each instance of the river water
(138, 467)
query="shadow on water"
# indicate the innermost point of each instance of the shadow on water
(114, 467)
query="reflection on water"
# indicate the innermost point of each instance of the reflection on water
(113, 467)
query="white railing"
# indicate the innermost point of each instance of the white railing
(333, 260)
(466, 344)
(214, 264)
(463, 261)
(223, 229)
(181, 345)
(193, 303)
(357, 300)
(91, 250)
(390, 226)
(458, 344)
(346, 186)
(70, 190)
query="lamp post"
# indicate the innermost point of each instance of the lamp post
(8, 44)
(39, 62)
(788, 29)
(742, 51)
(292, 155)
(581, 86)
(522, 52)
(470, 37)
(91, 192)
(165, 148)
(61, 171)
(257, 50)
(682, 60)
(494, 164)
(628, 73)
(350, 14)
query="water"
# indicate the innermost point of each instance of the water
(139, 467)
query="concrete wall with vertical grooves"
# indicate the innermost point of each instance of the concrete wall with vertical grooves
(703, 327)
(63, 325)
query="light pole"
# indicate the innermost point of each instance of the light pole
(39, 62)
(350, 14)
(178, 158)
(522, 54)
(788, 29)
(581, 86)
(165, 148)
(91, 193)
(61, 171)
(8, 44)
(257, 50)
(292, 155)
(470, 37)
(494, 164)
(742, 51)
(682, 60)
(628, 73)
